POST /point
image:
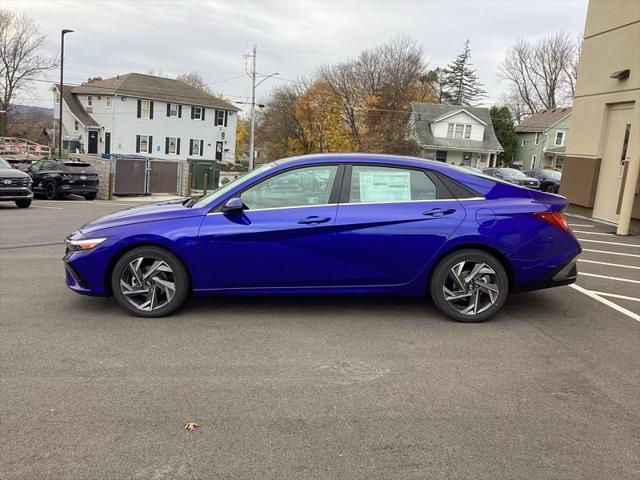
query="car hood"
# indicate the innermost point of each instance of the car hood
(12, 173)
(145, 213)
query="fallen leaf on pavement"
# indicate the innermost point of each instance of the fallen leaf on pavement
(191, 426)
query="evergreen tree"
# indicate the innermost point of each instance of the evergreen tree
(505, 131)
(463, 85)
(436, 80)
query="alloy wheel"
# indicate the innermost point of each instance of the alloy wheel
(148, 283)
(471, 287)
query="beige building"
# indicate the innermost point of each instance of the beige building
(604, 144)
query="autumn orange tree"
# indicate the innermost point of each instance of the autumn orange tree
(357, 105)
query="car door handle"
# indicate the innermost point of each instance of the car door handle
(313, 219)
(439, 212)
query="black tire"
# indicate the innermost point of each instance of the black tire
(179, 276)
(441, 277)
(90, 196)
(550, 188)
(50, 191)
(23, 203)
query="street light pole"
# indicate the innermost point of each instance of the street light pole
(63, 33)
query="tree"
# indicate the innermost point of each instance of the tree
(241, 138)
(20, 61)
(194, 79)
(463, 85)
(505, 131)
(541, 74)
(91, 80)
(435, 78)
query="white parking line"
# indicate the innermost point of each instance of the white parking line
(615, 295)
(595, 233)
(609, 303)
(618, 279)
(619, 265)
(610, 243)
(579, 225)
(610, 253)
(42, 206)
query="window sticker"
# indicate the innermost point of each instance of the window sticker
(385, 186)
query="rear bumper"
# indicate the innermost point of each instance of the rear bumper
(564, 274)
(78, 189)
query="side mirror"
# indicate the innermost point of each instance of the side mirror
(233, 205)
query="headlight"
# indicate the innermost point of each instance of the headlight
(84, 244)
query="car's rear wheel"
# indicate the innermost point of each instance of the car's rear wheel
(90, 196)
(150, 282)
(23, 203)
(50, 191)
(469, 285)
(550, 188)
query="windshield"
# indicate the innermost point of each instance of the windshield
(229, 186)
(512, 172)
(4, 164)
(552, 174)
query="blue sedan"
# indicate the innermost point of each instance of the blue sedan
(333, 224)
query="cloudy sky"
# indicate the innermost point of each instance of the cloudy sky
(293, 37)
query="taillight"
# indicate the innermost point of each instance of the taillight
(554, 218)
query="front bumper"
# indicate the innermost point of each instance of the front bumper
(15, 193)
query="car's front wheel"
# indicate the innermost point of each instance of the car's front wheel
(550, 188)
(90, 196)
(469, 285)
(150, 282)
(26, 203)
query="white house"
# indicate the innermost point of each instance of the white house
(143, 114)
(455, 134)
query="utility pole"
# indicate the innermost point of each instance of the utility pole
(253, 109)
(62, 34)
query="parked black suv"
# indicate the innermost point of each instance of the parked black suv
(15, 186)
(549, 179)
(56, 178)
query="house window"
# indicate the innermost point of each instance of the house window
(195, 147)
(144, 108)
(196, 113)
(109, 102)
(467, 131)
(450, 130)
(219, 118)
(57, 97)
(537, 138)
(144, 144)
(89, 101)
(523, 143)
(441, 155)
(559, 139)
(459, 128)
(75, 125)
(173, 109)
(533, 161)
(173, 145)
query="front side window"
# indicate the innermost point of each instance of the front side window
(294, 188)
(559, 139)
(144, 108)
(388, 184)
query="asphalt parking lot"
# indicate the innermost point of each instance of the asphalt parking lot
(314, 387)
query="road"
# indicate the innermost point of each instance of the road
(313, 388)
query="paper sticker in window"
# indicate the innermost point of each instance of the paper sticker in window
(385, 186)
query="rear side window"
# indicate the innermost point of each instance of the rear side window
(388, 184)
(457, 189)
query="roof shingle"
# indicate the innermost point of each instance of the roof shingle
(539, 122)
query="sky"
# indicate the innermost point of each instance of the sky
(293, 38)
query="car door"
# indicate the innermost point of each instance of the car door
(282, 237)
(36, 175)
(390, 223)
